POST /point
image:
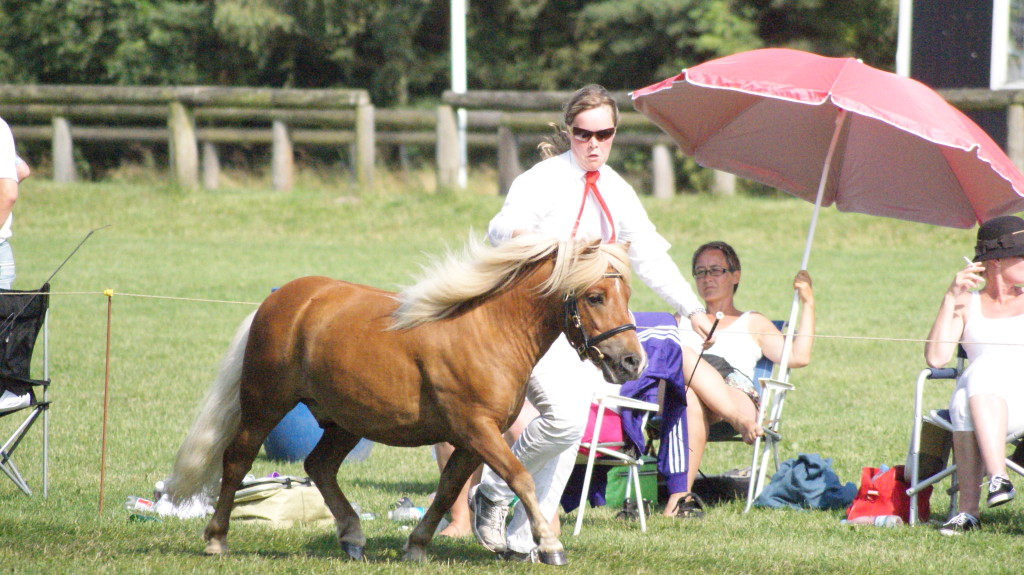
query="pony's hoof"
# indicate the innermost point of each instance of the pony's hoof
(214, 547)
(553, 557)
(353, 551)
(415, 555)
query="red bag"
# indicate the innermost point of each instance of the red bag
(885, 493)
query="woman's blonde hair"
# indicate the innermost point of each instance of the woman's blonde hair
(586, 98)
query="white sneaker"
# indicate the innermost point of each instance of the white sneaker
(13, 402)
(488, 521)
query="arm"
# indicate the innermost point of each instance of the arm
(952, 316)
(22, 169)
(8, 195)
(648, 253)
(772, 340)
(524, 209)
(8, 173)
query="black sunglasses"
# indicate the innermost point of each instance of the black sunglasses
(582, 135)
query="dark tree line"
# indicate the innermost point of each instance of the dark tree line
(399, 49)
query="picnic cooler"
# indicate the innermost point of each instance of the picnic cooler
(618, 477)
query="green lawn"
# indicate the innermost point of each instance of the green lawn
(187, 267)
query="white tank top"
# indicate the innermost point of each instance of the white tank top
(734, 344)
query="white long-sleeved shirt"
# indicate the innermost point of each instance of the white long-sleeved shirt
(8, 159)
(546, 199)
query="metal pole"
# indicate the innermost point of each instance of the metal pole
(904, 35)
(459, 9)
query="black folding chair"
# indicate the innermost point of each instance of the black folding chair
(22, 315)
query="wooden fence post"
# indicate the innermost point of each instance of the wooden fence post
(211, 166)
(508, 159)
(663, 175)
(365, 149)
(724, 184)
(63, 151)
(447, 149)
(1015, 134)
(184, 150)
(282, 158)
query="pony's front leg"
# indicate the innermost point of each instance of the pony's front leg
(505, 464)
(460, 467)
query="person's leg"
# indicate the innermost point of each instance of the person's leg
(697, 426)
(969, 471)
(989, 415)
(460, 523)
(7, 270)
(729, 403)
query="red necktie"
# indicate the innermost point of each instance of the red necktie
(588, 188)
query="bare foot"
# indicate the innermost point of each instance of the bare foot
(670, 506)
(456, 530)
(750, 430)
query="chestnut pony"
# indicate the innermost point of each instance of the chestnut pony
(447, 359)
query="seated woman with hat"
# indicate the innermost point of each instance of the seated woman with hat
(988, 399)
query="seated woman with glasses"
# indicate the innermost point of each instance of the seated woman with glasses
(740, 340)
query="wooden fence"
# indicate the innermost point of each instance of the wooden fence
(193, 121)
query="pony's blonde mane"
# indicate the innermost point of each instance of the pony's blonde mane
(481, 270)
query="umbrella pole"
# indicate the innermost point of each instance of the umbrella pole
(787, 346)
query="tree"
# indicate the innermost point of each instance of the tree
(135, 42)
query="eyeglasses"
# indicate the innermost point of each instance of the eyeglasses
(581, 135)
(714, 271)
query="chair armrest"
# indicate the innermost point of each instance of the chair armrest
(941, 373)
(627, 402)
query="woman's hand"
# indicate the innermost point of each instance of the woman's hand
(803, 287)
(967, 279)
(702, 325)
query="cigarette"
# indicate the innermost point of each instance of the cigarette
(968, 260)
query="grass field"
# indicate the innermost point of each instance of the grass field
(187, 267)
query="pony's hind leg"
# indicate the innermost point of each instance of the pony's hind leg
(322, 465)
(238, 458)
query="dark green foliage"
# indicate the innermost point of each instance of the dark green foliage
(400, 51)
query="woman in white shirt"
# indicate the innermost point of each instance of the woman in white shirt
(740, 340)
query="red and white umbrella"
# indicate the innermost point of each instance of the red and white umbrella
(835, 131)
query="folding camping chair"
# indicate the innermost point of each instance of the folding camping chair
(774, 385)
(938, 427)
(612, 453)
(773, 397)
(22, 315)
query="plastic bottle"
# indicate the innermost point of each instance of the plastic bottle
(134, 503)
(405, 511)
(876, 520)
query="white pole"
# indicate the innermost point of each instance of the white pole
(904, 35)
(787, 346)
(459, 8)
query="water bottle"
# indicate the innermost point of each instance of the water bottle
(876, 520)
(134, 503)
(405, 511)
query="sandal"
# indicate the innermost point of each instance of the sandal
(690, 506)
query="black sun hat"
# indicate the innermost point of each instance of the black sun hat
(1001, 237)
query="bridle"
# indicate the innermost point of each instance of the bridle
(573, 325)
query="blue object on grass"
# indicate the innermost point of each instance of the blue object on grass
(298, 433)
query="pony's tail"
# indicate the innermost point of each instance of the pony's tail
(197, 467)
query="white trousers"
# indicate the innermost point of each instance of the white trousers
(561, 388)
